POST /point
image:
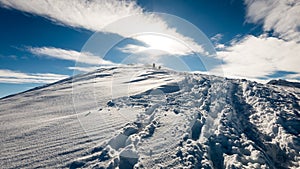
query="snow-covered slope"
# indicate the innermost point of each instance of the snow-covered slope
(135, 116)
(285, 83)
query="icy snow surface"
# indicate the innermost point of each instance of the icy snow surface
(139, 117)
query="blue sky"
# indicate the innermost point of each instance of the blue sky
(45, 41)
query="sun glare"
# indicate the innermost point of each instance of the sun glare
(164, 43)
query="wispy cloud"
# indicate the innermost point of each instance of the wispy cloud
(280, 16)
(82, 57)
(258, 57)
(152, 51)
(159, 42)
(9, 76)
(83, 69)
(216, 38)
(102, 16)
(91, 15)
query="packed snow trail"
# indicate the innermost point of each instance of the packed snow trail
(140, 117)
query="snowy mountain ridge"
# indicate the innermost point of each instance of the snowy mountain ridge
(286, 83)
(140, 117)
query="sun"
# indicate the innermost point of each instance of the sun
(166, 43)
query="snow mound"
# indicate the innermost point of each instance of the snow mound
(140, 117)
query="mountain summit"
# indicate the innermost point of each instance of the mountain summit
(140, 117)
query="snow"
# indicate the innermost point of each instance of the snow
(137, 116)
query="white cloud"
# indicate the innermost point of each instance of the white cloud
(9, 76)
(151, 29)
(216, 38)
(280, 16)
(131, 48)
(82, 57)
(219, 46)
(159, 42)
(92, 15)
(101, 16)
(83, 69)
(160, 49)
(168, 44)
(254, 57)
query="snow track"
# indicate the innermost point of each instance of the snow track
(135, 116)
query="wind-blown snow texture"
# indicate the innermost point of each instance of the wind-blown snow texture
(134, 116)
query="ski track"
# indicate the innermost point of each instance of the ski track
(134, 116)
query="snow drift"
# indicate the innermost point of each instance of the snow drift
(139, 117)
